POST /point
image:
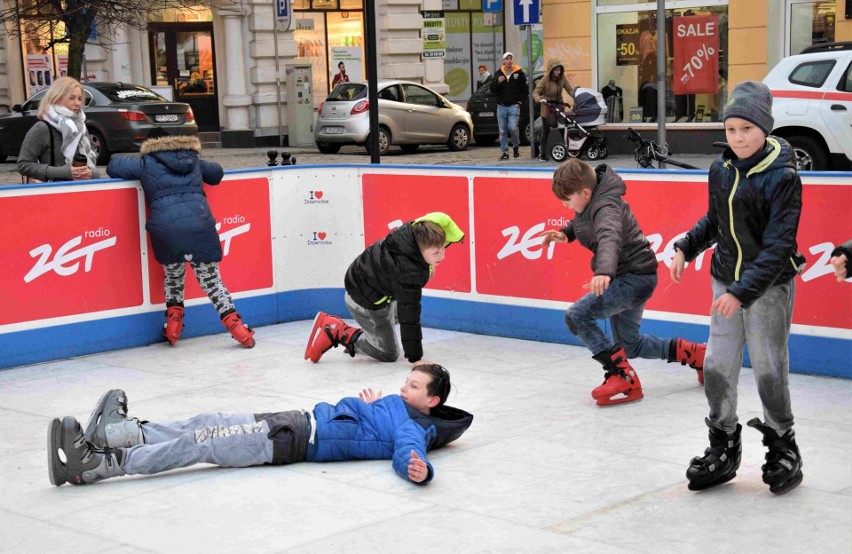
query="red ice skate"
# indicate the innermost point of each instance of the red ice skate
(621, 383)
(174, 324)
(689, 353)
(241, 332)
(330, 331)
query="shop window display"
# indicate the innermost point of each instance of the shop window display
(810, 23)
(696, 62)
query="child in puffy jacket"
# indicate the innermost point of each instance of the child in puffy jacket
(401, 428)
(181, 225)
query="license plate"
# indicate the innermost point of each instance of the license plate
(333, 130)
(166, 117)
(486, 114)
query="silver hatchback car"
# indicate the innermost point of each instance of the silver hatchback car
(409, 115)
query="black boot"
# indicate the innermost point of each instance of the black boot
(516, 152)
(83, 463)
(783, 468)
(720, 462)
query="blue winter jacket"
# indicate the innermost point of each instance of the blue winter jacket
(386, 429)
(180, 222)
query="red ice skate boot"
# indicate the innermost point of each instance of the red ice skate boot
(174, 324)
(241, 332)
(688, 353)
(621, 383)
(330, 331)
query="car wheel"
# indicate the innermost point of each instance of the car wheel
(558, 152)
(526, 136)
(809, 154)
(459, 138)
(329, 147)
(100, 148)
(484, 140)
(409, 148)
(384, 141)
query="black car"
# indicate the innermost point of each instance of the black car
(119, 117)
(482, 107)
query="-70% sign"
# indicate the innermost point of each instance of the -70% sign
(696, 62)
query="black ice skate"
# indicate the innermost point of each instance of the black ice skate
(720, 462)
(82, 463)
(783, 468)
(109, 424)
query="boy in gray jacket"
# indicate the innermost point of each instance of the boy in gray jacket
(625, 276)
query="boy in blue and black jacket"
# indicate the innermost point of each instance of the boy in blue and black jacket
(401, 428)
(755, 200)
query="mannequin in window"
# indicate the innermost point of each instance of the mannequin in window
(341, 76)
(613, 96)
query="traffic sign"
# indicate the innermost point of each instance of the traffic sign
(526, 11)
(492, 6)
(282, 12)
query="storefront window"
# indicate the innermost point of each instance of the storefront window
(473, 38)
(810, 23)
(696, 68)
(43, 65)
(191, 14)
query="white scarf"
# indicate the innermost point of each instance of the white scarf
(74, 136)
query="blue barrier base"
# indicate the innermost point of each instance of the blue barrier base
(809, 355)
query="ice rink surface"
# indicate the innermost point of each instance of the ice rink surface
(542, 468)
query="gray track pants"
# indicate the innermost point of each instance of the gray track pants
(379, 338)
(765, 326)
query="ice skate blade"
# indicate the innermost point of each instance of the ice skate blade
(54, 464)
(312, 337)
(789, 485)
(633, 396)
(700, 487)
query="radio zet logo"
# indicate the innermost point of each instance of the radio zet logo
(65, 254)
(318, 237)
(227, 236)
(315, 197)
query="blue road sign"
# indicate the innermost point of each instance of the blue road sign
(494, 6)
(526, 11)
(282, 7)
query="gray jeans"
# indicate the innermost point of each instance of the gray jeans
(379, 338)
(765, 326)
(227, 440)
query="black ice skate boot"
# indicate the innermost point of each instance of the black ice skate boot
(82, 462)
(109, 424)
(720, 462)
(783, 468)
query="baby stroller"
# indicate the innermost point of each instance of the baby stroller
(579, 128)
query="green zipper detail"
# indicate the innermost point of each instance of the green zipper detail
(381, 300)
(731, 217)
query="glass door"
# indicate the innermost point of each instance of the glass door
(182, 57)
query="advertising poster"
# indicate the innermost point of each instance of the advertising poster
(69, 254)
(627, 44)
(38, 73)
(696, 54)
(388, 205)
(434, 35)
(241, 210)
(487, 41)
(457, 66)
(352, 58)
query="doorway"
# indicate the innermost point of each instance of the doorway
(183, 58)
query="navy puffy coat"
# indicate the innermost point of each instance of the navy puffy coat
(386, 429)
(180, 222)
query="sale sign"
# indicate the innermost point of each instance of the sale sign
(627, 44)
(241, 210)
(391, 200)
(69, 253)
(696, 54)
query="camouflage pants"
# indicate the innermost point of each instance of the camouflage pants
(209, 279)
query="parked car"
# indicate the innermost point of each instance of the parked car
(119, 117)
(409, 115)
(812, 105)
(483, 111)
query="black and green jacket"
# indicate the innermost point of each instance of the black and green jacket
(753, 217)
(393, 269)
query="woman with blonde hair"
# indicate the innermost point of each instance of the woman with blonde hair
(57, 147)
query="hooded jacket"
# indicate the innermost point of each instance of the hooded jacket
(607, 228)
(550, 89)
(180, 222)
(753, 217)
(386, 429)
(513, 89)
(393, 269)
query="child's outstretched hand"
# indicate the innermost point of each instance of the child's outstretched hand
(552, 236)
(418, 471)
(676, 267)
(368, 395)
(598, 284)
(839, 263)
(725, 305)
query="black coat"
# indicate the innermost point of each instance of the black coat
(756, 236)
(513, 89)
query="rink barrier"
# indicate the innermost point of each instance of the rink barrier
(79, 275)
